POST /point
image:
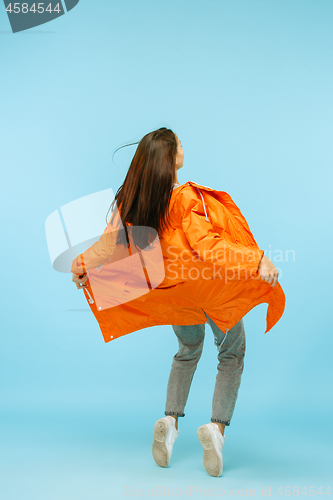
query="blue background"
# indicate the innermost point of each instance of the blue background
(247, 86)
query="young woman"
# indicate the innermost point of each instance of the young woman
(213, 272)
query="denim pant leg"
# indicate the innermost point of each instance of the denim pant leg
(190, 340)
(231, 352)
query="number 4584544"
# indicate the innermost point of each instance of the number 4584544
(35, 8)
(295, 491)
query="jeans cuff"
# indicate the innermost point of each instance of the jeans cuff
(226, 422)
(178, 414)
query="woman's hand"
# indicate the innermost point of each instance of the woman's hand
(268, 271)
(80, 282)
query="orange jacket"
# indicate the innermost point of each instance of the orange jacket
(210, 262)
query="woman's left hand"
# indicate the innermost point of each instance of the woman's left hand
(80, 282)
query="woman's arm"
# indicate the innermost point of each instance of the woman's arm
(105, 250)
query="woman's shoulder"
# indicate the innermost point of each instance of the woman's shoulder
(183, 191)
(186, 196)
(191, 188)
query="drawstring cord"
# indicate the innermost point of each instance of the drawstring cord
(226, 333)
(90, 300)
(203, 204)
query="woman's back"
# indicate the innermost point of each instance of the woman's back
(210, 262)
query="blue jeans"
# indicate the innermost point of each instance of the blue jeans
(231, 352)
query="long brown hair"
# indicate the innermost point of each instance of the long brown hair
(145, 194)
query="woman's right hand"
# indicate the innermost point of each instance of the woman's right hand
(80, 282)
(268, 271)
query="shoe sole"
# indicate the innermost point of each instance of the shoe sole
(159, 449)
(211, 459)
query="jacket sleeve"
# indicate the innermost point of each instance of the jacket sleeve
(209, 245)
(105, 250)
